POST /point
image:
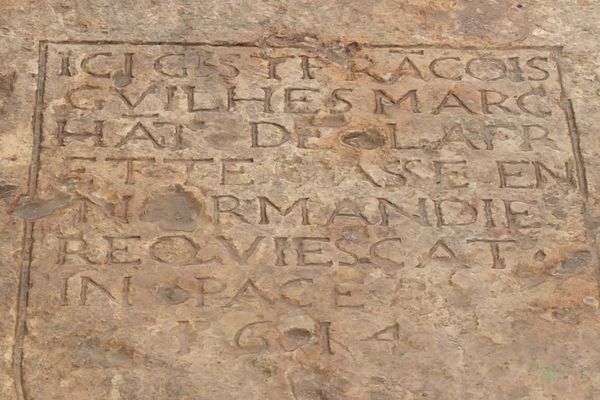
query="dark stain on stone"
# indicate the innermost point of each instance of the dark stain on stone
(35, 208)
(7, 87)
(121, 79)
(307, 389)
(7, 82)
(368, 139)
(540, 255)
(176, 210)
(573, 263)
(296, 337)
(222, 140)
(173, 295)
(7, 190)
(566, 315)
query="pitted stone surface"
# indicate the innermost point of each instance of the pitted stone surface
(270, 214)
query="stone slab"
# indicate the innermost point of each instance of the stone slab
(292, 217)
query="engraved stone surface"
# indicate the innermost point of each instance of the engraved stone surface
(245, 211)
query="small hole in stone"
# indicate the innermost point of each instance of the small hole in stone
(519, 5)
(540, 255)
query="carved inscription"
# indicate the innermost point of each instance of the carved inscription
(292, 202)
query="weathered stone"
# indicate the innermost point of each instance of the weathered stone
(299, 201)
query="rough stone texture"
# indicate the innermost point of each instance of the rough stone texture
(406, 207)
